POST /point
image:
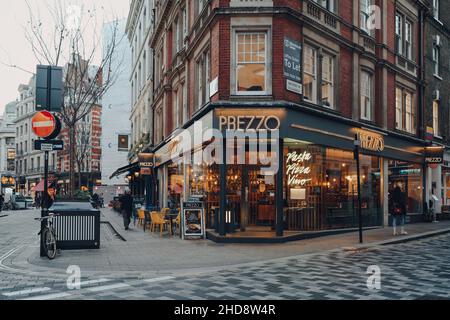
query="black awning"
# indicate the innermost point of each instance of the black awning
(128, 168)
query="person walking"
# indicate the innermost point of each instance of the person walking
(2, 201)
(126, 206)
(398, 210)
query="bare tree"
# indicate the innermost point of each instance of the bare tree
(70, 38)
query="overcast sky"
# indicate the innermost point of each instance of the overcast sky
(15, 49)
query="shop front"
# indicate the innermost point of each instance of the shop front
(286, 175)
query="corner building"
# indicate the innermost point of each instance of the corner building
(323, 75)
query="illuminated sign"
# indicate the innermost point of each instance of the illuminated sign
(247, 123)
(11, 154)
(296, 169)
(434, 155)
(8, 181)
(147, 163)
(371, 141)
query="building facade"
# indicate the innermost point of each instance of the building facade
(302, 80)
(7, 146)
(437, 99)
(139, 28)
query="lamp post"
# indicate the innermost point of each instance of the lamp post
(357, 144)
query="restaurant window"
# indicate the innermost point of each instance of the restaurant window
(436, 118)
(405, 112)
(366, 95)
(446, 187)
(251, 63)
(322, 191)
(408, 177)
(123, 142)
(175, 185)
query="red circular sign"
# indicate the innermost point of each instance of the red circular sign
(43, 124)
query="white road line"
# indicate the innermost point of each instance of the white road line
(25, 292)
(49, 296)
(158, 279)
(110, 287)
(91, 282)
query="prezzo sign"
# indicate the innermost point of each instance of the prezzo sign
(434, 155)
(193, 220)
(247, 123)
(371, 141)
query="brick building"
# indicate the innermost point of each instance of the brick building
(323, 73)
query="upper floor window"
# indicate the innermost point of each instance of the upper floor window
(328, 4)
(365, 15)
(366, 95)
(405, 112)
(251, 62)
(200, 4)
(436, 118)
(436, 59)
(313, 80)
(403, 36)
(202, 79)
(436, 9)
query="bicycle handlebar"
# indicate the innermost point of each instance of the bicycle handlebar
(47, 217)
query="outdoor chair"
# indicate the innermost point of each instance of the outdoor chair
(158, 219)
(141, 217)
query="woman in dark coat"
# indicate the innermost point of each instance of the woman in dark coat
(398, 210)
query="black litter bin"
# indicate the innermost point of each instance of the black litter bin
(77, 225)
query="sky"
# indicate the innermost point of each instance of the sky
(15, 49)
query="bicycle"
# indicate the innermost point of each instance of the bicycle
(48, 236)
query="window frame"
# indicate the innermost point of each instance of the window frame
(408, 112)
(363, 107)
(436, 122)
(314, 75)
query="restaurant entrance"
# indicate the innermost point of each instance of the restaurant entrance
(255, 209)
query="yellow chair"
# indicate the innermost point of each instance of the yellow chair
(159, 220)
(141, 217)
(178, 221)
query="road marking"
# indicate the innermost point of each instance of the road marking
(53, 296)
(158, 279)
(91, 282)
(25, 292)
(110, 287)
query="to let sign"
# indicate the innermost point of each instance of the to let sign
(293, 60)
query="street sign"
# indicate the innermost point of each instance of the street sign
(43, 124)
(50, 145)
(293, 65)
(49, 88)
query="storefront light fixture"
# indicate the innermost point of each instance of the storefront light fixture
(136, 174)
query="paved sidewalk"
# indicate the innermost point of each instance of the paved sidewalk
(147, 253)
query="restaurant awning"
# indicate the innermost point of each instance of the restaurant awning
(123, 170)
(40, 186)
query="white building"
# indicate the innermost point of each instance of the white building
(29, 163)
(116, 108)
(7, 146)
(139, 30)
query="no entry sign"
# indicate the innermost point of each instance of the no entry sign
(43, 124)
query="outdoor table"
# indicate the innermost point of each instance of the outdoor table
(171, 217)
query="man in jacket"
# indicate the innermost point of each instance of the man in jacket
(126, 206)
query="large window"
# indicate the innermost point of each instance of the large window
(328, 4)
(202, 80)
(312, 79)
(408, 178)
(366, 95)
(365, 15)
(251, 62)
(328, 80)
(436, 59)
(403, 36)
(405, 112)
(310, 74)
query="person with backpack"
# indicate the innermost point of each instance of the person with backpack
(126, 206)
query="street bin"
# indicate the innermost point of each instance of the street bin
(77, 225)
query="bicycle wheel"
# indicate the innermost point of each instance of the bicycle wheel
(50, 244)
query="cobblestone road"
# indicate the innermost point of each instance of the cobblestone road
(414, 270)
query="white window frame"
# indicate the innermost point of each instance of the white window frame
(313, 74)
(331, 81)
(436, 60)
(436, 9)
(365, 15)
(399, 108)
(267, 63)
(327, 4)
(399, 32)
(366, 95)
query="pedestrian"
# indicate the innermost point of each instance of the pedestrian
(398, 210)
(126, 206)
(2, 201)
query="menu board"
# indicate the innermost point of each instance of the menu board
(193, 220)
